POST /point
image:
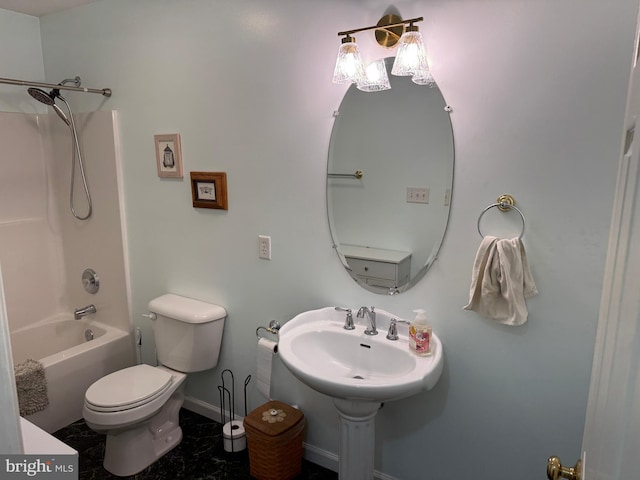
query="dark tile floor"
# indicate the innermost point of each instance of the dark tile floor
(200, 455)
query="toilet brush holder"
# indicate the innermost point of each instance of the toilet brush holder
(234, 436)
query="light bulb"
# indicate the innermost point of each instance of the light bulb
(349, 66)
(411, 57)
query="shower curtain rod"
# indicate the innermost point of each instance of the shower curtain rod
(103, 91)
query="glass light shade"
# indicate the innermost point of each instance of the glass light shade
(349, 66)
(376, 78)
(411, 57)
(424, 78)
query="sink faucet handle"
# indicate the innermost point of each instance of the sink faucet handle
(392, 334)
(348, 321)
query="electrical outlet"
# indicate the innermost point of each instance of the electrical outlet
(417, 195)
(264, 247)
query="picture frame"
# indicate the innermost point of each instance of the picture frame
(209, 190)
(168, 155)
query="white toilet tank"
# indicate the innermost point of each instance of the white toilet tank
(188, 332)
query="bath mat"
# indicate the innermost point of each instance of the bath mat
(32, 387)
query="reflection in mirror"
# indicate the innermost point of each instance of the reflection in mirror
(388, 225)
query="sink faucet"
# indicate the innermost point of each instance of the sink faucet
(371, 315)
(78, 313)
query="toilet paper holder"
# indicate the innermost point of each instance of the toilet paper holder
(233, 433)
(273, 327)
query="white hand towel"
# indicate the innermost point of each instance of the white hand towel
(501, 281)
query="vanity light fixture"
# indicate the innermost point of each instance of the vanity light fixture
(349, 66)
(411, 59)
(424, 78)
(376, 78)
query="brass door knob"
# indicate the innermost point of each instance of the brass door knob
(555, 470)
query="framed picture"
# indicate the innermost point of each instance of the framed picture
(168, 155)
(209, 190)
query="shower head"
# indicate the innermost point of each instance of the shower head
(42, 96)
(50, 100)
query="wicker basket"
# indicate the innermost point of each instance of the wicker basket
(274, 436)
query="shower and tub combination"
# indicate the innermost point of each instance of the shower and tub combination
(56, 229)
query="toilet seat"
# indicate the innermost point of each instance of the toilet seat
(127, 389)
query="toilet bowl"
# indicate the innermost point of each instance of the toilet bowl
(138, 407)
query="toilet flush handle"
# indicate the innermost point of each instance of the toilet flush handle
(150, 316)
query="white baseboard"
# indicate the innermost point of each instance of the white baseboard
(311, 453)
(320, 457)
(205, 409)
(382, 476)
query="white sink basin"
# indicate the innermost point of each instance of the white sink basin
(349, 365)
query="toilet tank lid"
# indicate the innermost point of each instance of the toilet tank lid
(186, 309)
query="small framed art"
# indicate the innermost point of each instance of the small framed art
(209, 190)
(168, 155)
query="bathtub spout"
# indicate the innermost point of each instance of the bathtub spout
(81, 312)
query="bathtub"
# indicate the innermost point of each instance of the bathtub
(71, 363)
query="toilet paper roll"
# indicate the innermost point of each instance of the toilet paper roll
(266, 350)
(234, 436)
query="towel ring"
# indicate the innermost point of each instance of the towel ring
(504, 203)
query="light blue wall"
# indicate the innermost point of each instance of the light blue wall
(20, 59)
(538, 94)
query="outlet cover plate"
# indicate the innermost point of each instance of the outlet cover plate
(264, 247)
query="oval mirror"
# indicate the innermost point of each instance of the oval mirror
(388, 220)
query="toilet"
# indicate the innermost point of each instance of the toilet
(137, 407)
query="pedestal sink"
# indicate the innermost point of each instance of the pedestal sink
(359, 372)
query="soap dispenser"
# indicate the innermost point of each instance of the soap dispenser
(420, 334)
